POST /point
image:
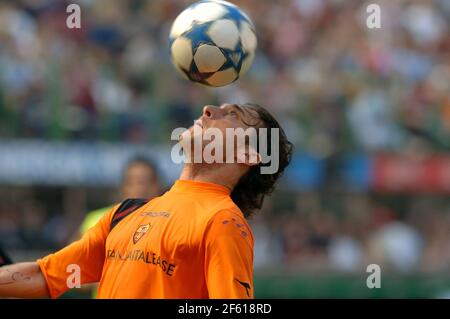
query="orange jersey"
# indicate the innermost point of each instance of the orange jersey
(191, 242)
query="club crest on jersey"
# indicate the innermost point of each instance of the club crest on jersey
(141, 231)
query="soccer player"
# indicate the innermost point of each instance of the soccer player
(139, 180)
(191, 242)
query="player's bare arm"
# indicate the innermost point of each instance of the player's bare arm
(22, 280)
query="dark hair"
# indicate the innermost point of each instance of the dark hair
(249, 192)
(140, 159)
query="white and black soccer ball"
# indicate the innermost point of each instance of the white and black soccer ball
(213, 42)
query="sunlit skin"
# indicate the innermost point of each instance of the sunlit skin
(223, 117)
(227, 116)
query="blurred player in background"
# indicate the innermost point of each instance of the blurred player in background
(191, 242)
(139, 180)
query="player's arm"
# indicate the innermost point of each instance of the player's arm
(83, 258)
(22, 280)
(229, 257)
(86, 254)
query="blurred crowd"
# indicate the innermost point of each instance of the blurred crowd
(335, 83)
(352, 231)
(336, 86)
(317, 232)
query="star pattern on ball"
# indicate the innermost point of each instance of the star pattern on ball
(213, 43)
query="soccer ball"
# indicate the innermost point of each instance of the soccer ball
(212, 42)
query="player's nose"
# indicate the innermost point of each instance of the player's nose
(211, 111)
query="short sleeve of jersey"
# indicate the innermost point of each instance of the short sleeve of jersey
(86, 255)
(229, 257)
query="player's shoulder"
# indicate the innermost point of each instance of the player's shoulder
(226, 208)
(230, 219)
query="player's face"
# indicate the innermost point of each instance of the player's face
(222, 118)
(140, 182)
(228, 116)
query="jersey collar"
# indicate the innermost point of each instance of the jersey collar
(196, 186)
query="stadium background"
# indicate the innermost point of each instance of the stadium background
(367, 109)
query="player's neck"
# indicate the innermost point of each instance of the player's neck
(224, 174)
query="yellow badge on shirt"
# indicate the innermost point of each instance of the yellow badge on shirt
(141, 231)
